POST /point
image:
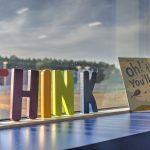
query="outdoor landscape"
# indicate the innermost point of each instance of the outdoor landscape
(106, 94)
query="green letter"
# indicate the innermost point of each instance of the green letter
(63, 92)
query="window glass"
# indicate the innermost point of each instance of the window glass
(73, 34)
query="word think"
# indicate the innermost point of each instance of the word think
(56, 90)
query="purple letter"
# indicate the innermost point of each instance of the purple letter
(17, 93)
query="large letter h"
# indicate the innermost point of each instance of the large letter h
(17, 94)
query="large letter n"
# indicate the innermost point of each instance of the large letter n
(63, 92)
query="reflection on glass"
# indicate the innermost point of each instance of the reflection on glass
(54, 131)
(48, 35)
(41, 136)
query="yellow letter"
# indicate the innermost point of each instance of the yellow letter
(63, 92)
(46, 94)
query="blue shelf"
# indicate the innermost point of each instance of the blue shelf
(75, 133)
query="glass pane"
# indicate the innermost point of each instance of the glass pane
(73, 34)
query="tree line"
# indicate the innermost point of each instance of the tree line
(103, 69)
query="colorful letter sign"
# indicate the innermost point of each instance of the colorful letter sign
(55, 89)
(3, 72)
(46, 94)
(17, 93)
(86, 89)
(136, 75)
(63, 92)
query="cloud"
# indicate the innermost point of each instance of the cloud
(12, 26)
(22, 10)
(94, 24)
(72, 29)
(42, 37)
(75, 36)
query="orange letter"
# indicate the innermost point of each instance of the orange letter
(46, 94)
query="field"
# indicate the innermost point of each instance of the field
(106, 100)
(103, 100)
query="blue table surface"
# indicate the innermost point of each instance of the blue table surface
(75, 133)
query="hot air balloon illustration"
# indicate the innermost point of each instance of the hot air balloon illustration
(137, 92)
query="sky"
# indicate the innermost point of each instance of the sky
(94, 30)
